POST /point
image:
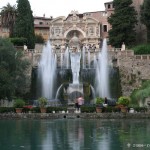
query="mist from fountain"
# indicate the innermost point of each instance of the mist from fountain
(89, 59)
(83, 57)
(66, 58)
(61, 60)
(47, 71)
(75, 66)
(102, 72)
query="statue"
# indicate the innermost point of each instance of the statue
(123, 47)
(75, 43)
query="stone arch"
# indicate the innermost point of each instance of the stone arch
(73, 29)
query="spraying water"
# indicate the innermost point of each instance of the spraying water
(83, 58)
(102, 73)
(61, 60)
(75, 66)
(66, 58)
(46, 71)
(89, 59)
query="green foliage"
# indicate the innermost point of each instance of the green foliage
(141, 93)
(145, 17)
(39, 39)
(12, 71)
(99, 100)
(18, 41)
(35, 110)
(24, 26)
(8, 15)
(123, 100)
(140, 109)
(88, 109)
(110, 109)
(19, 103)
(123, 24)
(42, 101)
(142, 49)
(7, 109)
(56, 109)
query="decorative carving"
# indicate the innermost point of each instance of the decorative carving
(90, 31)
(75, 42)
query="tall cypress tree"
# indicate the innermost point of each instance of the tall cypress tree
(145, 17)
(24, 26)
(123, 24)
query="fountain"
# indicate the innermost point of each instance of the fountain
(102, 72)
(76, 80)
(46, 71)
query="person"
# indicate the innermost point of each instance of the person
(106, 101)
(76, 104)
(80, 101)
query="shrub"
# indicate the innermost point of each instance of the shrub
(18, 41)
(87, 109)
(39, 39)
(6, 109)
(123, 100)
(142, 49)
(99, 100)
(19, 103)
(42, 101)
(56, 109)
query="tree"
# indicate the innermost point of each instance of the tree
(24, 26)
(12, 70)
(39, 39)
(8, 17)
(145, 17)
(123, 24)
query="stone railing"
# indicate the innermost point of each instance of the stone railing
(142, 57)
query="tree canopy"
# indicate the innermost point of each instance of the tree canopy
(24, 26)
(8, 17)
(12, 70)
(123, 24)
(145, 17)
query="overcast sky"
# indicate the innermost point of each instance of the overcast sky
(57, 8)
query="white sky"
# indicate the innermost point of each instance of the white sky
(58, 8)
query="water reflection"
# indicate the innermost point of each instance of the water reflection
(70, 134)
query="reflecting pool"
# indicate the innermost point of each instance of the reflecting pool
(74, 134)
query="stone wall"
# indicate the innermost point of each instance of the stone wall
(145, 115)
(133, 69)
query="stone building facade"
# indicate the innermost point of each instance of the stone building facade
(81, 23)
(85, 29)
(41, 26)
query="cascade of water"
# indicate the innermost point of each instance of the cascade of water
(75, 66)
(61, 60)
(47, 71)
(102, 72)
(94, 61)
(83, 58)
(66, 58)
(89, 59)
(58, 90)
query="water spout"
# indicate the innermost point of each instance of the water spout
(75, 66)
(66, 58)
(47, 71)
(102, 73)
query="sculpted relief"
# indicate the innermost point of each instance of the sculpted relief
(74, 31)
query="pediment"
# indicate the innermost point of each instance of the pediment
(91, 20)
(58, 20)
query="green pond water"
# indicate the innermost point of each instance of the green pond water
(74, 134)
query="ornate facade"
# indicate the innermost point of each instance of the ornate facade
(75, 31)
